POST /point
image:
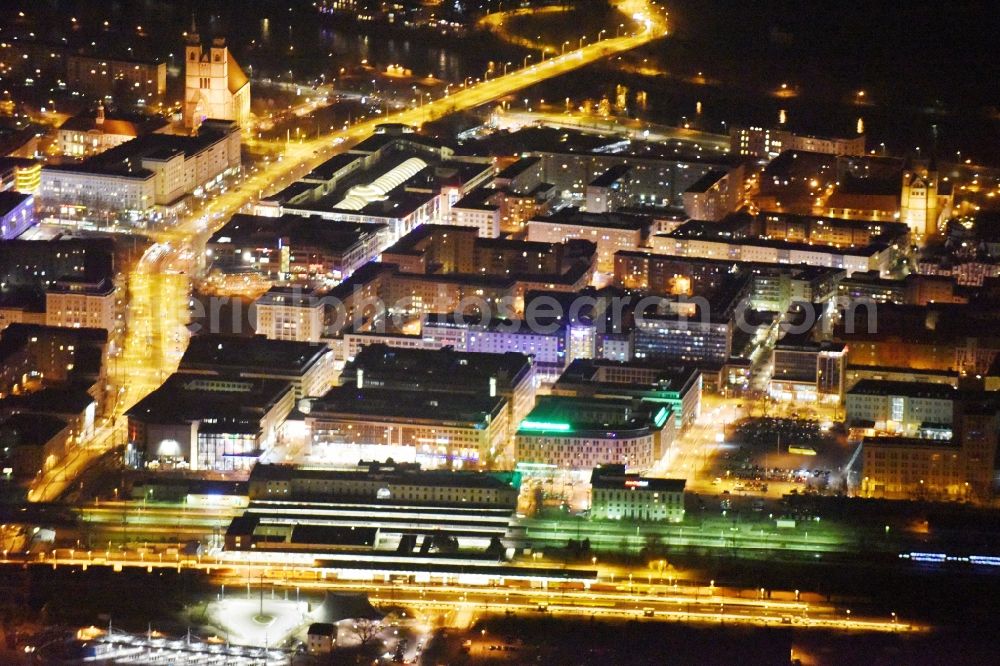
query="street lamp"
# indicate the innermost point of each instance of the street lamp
(582, 40)
(526, 59)
(564, 44)
(600, 35)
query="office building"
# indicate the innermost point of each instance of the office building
(806, 370)
(579, 434)
(350, 343)
(379, 513)
(308, 367)
(82, 304)
(618, 495)
(958, 466)
(437, 429)
(374, 481)
(912, 468)
(290, 313)
(17, 214)
(547, 348)
(679, 387)
(436, 248)
(292, 248)
(611, 233)
(143, 180)
(20, 175)
(215, 423)
(395, 177)
(509, 375)
(875, 257)
(902, 408)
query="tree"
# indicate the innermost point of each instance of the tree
(366, 629)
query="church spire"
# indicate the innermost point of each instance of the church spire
(192, 36)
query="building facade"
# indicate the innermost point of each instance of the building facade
(81, 304)
(17, 214)
(617, 495)
(579, 434)
(215, 87)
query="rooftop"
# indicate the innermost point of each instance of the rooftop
(330, 168)
(291, 297)
(570, 416)
(574, 216)
(28, 429)
(427, 368)
(388, 473)
(615, 477)
(224, 353)
(602, 371)
(68, 400)
(611, 176)
(9, 200)
(706, 182)
(133, 126)
(350, 401)
(907, 389)
(330, 235)
(517, 168)
(126, 159)
(184, 398)
(911, 442)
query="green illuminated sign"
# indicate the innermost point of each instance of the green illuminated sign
(544, 425)
(661, 417)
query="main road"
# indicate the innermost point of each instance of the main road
(159, 284)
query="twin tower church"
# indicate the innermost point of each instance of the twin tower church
(215, 85)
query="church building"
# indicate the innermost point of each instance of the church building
(215, 86)
(925, 201)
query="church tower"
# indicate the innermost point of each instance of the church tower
(215, 86)
(920, 201)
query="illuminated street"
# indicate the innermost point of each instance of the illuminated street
(157, 316)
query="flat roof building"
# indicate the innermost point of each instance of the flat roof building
(903, 408)
(618, 495)
(290, 313)
(509, 375)
(581, 433)
(611, 232)
(378, 512)
(295, 248)
(434, 428)
(677, 386)
(212, 423)
(17, 214)
(307, 366)
(141, 180)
